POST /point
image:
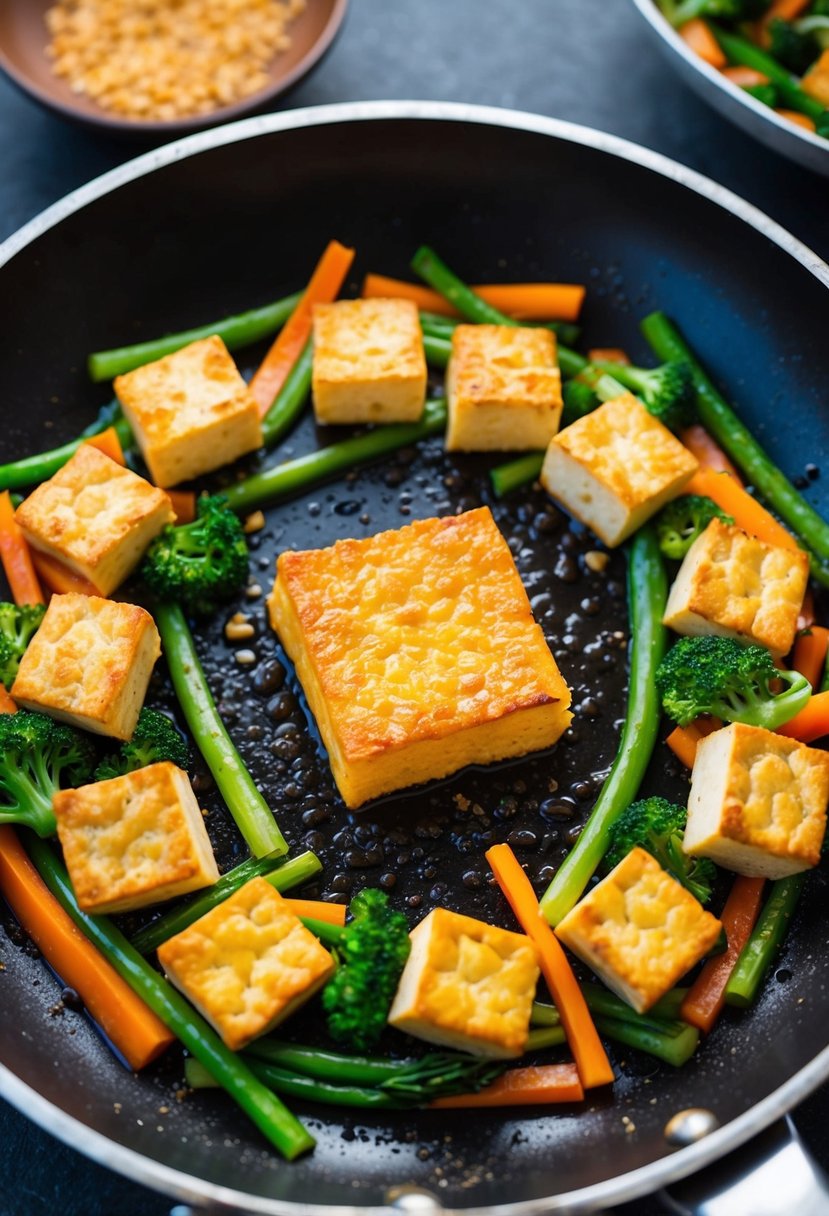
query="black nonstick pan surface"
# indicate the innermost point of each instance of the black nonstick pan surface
(236, 217)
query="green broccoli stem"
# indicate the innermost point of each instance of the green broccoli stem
(281, 873)
(295, 476)
(273, 1119)
(31, 470)
(34, 807)
(330, 935)
(647, 593)
(675, 1049)
(740, 50)
(238, 331)
(717, 416)
(515, 473)
(761, 948)
(290, 401)
(251, 812)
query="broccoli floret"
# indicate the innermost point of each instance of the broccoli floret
(37, 757)
(666, 391)
(202, 564)
(579, 399)
(711, 675)
(796, 50)
(18, 624)
(154, 739)
(372, 954)
(658, 825)
(726, 10)
(680, 522)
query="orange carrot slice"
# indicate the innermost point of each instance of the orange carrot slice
(811, 723)
(708, 452)
(800, 120)
(585, 1044)
(59, 578)
(134, 1029)
(16, 558)
(323, 287)
(7, 705)
(318, 909)
(683, 740)
(108, 443)
(706, 997)
(184, 505)
(746, 511)
(538, 1085)
(702, 42)
(523, 301)
(744, 77)
(809, 655)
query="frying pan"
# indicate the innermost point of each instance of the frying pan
(230, 218)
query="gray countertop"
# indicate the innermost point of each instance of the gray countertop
(588, 61)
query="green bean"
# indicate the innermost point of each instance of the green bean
(647, 593)
(251, 812)
(273, 1119)
(437, 350)
(237, 331)
(294, 476)
(740, 50)
(31, 470)
(514, 473)
(280, 872)
(290, 400)
(759, 951)
(675, 1049)
(543, 1037)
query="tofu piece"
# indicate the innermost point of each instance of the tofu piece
(96, 517)
(134, 840)
(615, 468)
(503, 389)
(639, 930)
(418, 653)
(758, 802)
(89, 664)
(467, 985)
(369, 364)
(732, 585)
(191, 412)
(247, 964)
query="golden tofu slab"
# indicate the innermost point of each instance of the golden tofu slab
(247, 964)
(639, 930)
(615, 468)
(467, 985)
(503, 389)
(758, 802)
(134, 840)
(418, 653)
(191, 412)
(369, 363)
(89, 664)
(95, 516)
(732, 585)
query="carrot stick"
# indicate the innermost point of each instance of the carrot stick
(15, 556)
(811, 723)
(184, 505)
(809, 656)
(108, 442)
(744, 77)
(60, 578)
(585, 1044)
(707, 451)
(785, 10)
(537, 1085)
(800, 120)
(683, 740)
(702, 42)
(608, 354)
(318, 909)
(134, 1029)
(746, 511)
(323, 286)
(7, 705)
(705, 998)
(524, 301)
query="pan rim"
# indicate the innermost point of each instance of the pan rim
(645, 1179)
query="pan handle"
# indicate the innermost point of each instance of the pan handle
(774, 1173)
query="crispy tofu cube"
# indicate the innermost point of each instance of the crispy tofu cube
(758, 802)
(134, 840)
(95, 516)
(89, 664)
(639, 930)
(191, 412)
(503, 389)
(467, 985)
(418, 653)
(369, 364)
(733, 585)
(247, 964)
(615, 468)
